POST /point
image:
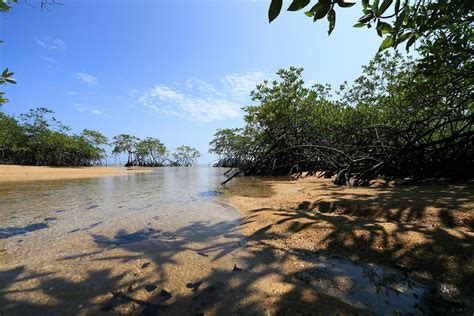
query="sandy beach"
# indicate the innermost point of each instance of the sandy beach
(15, 173)
(172, 244)
(425, 231)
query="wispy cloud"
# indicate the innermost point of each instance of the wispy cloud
(240, 85)
(49, 60)
(51, 43)
(199, 100)
(88, 109)
(199, 85)
(71, 93)
(168, 101)
(86, 78)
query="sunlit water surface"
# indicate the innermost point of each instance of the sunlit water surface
(70, 243)
(163, 241)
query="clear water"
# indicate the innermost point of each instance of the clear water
(162, 242)
(71, 243)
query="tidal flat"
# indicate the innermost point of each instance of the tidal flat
(173, 241)
(17, 173)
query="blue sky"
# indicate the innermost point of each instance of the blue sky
(171, 69)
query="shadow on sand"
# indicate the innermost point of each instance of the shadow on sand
(361, 264)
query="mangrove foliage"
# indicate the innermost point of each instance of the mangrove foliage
(151, 152)
(394, 121)
(37, 138)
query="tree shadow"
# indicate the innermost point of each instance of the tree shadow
(426, 233)
(9, 232)
(263, 277)
(448, 205)
(337, 261)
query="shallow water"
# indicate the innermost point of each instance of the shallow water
(70, 243)
(162, 242)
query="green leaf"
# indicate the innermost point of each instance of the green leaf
(403, 37)
(384, 27)
(401, 18)
(387, 42)
(365, 4)
(358, 25)
(309, 13)
(298, 5)
(379, 33)
(332, 20)
(274, 10)
(411, 41)
(397, 6)
(385, 5)
(320, 10)
(345, 4)
(4, 6)
(375, 5)
(10, 80)
(366, 18)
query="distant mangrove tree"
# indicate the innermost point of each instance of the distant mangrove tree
(151, 152)
(37, 138)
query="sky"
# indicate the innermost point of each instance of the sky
(173, 69)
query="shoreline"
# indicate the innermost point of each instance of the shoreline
(20, 173)
(426, 231)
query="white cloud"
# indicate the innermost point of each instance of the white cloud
(49, 60)
(201, 101)
(71, 93)
(51, 43)
(170, 102)
(201, 86)
(86, 78)
(240, 85)
(88, 109)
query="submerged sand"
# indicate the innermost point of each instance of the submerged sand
(168, 243)
(426, 231)
(15, 173)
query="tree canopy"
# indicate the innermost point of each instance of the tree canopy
(393, 121)
(147, 152)
(186, 156)
(401, 118)
(38, 138)
(444, 27)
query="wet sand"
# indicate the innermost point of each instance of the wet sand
(169, 242)
(119, 245)
(423, 231)
(15, 173)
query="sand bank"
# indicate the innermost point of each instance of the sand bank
(15, 173)
(426, 231)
